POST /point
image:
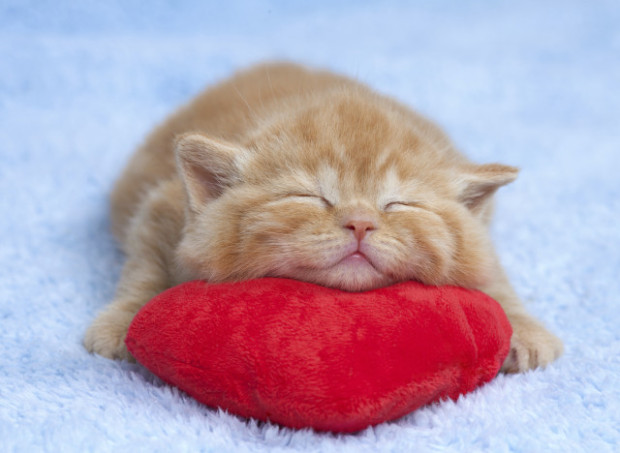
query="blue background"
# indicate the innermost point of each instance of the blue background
(531, 84)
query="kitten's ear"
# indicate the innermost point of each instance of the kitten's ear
(206, 166)
(482, 181)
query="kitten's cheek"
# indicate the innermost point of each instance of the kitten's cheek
(388, 259)
(410, 263)
(308, 259)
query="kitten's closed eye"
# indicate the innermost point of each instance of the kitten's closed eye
(394, 206)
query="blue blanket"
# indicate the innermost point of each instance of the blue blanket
(533, 84)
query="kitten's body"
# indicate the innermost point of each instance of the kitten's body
(281, 171)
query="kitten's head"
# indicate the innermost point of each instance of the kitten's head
(351, 194)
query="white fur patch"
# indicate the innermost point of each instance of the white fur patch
(297, 182)
(243, 157)
(329, 184)
(382, 159)
(394, 190)
(305, 182)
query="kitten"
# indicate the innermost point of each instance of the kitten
(285, 172)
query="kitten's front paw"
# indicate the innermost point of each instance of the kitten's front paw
(531, 346)
(106, 335)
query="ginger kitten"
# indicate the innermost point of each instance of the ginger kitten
(285, 172)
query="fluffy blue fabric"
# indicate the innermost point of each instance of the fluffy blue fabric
(532, 84)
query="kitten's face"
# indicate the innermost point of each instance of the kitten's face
(346, 196)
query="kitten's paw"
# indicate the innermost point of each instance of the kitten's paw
(531, 346)
(106, 335)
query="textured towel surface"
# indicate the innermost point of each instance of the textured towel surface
(531, 83)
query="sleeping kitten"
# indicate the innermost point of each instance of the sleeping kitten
(285, 172)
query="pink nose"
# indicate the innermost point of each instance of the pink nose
(360, 227)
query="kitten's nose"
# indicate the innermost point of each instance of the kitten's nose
(360, 227)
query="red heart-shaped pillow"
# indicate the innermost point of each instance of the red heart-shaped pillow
(303, 355)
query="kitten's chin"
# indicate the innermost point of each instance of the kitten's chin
(354, 273)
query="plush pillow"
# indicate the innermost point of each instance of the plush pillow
(302, 355)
